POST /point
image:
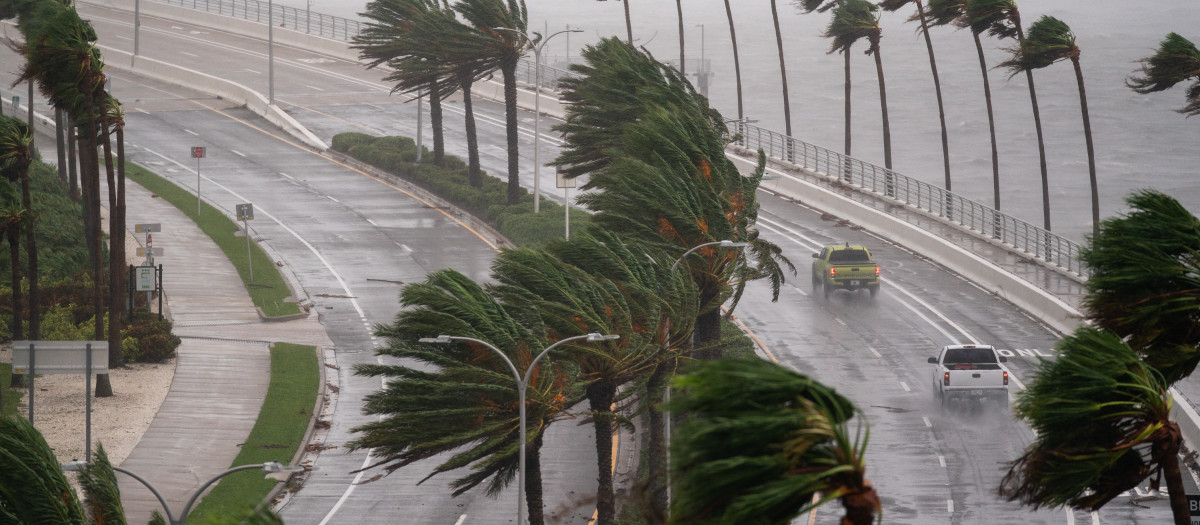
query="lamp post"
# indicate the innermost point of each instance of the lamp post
(272, 469)
(666, 341)
(522, 382)
(537, 46)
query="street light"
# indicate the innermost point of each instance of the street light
(667, 341)
(521, 384)
(537, 46)
(272, 469)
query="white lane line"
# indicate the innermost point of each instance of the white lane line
(1095, 517)
(942, 460)
(286, 175)
(192, 132)
(380, 108)
(950, 506)
(193, 55)
(313, 87)
(905, 386)
(841, 322)
(238, 153)
(461, 519)
(928, 423)
(349, 489)
(252, 71)
(372, 223)
(1070, 516)
(874, 351)
(333, 199)
(140, 110)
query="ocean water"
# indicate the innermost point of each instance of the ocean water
(1140, 141)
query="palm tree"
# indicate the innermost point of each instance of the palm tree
(1175, 61)
(628, 23)
(571, 302)
(1144, 283)
(382, 41)
(763, 441)
(852, 20)
(101, 493)
(465, 402)
(822, 6)
(1102, 421)
(33, 488)
(1001, 19)
(502, 50)
(737, 67)
(946, 12)
(679, 11)
(114, 119)
(15, 154)
(1051, 40)
(893, 5)
(787, 107)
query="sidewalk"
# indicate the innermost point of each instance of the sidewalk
(223, 367)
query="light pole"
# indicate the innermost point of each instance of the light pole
(537, 45)
(667, 341)
(272, 469)
(522, 382)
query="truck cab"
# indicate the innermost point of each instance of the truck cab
(845, 266)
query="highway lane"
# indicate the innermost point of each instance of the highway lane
(873, 352)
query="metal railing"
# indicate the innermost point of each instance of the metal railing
(978, 219)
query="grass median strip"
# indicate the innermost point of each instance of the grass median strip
(268, 290)
(276, 436)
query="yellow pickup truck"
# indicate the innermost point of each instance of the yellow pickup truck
(846, 266)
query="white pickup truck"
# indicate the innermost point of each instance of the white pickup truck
(969, 373)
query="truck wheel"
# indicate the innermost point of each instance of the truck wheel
(874, 291)
(826, 289)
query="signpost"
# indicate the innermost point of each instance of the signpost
(62, 357)
(566, 184)
(197, 153)
(147, 278)
(245, 213)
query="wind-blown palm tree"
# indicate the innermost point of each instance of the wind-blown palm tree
(464, 402)
(1102, 421)
(11, 215)
(763, 441)
(1175, 61)
(947, 12)
(853, 20)
(822, 6)
(1050, 40)
(114, 119)
(33, 488)
(787, 107)
(15, 155)
(382, 41)
(1144, 283)
(737, 65)
(679, 12)
(893, 5)
(1001, 19)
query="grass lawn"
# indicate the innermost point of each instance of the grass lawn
(276, 436)
(268, 289)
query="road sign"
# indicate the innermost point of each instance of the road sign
(141, 252)
(144, 279)
(564, 182)
(1193, 501)
(60, 357)
(245, 212)
(147, 228)
(197, 152)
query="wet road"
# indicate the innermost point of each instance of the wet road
(348, 239)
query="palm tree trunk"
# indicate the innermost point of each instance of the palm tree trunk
(35, 318)
(887, 128)
(13, 233)
(679, 10)
(1091, 153)
(600, 397)
(533, 482)
(628, 24)
(737, 67)
(60, 141)
(72, 162)
(1175, 491)
(1037, 123)
(987, 98)
(657, 455)
(708, 332)
(937, 89)
(116, 251)
(846, 166)
(473, 175)
(787, 107)
(435, 121)
(509, 73)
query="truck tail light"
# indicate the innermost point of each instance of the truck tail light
(946, 378)
(1006, 378)
(876, 271)
(833, 272)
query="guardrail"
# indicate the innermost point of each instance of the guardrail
(981, 220)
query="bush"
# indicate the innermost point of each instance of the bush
(344, 142)
(155, 342)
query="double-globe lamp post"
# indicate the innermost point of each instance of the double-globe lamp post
(667, 344)
(272, 469)
(522, 382)
(537, 46)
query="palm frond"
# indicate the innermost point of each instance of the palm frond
(1175, 61)
(852, 20)
(999, 18)
(1048, 41)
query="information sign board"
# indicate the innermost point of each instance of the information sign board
(60, 357)
(147, 228)
(144, 279)
(197, 152)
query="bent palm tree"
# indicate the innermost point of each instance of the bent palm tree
(1102, 421)
(1001, 19)
(33, 488)
(822, 6)
(1175, 61)
(464, 400)
(787, 107)
(1050, 40)
(762, 443)
(737, 65)
(1145, 282)
(853, 20)
(893, 5)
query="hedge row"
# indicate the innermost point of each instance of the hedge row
(488, 202)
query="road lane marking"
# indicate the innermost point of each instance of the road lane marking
(330, 197)
(286, 175)
(461, 519)
(950, 506)
(372, 223)
(942, 460)
(315, 88)
(1070, 516)
(238, 153)
(928, 423)
(905, 385)
(252, 71)
(193, 55)
(192, 132)
(874, 351)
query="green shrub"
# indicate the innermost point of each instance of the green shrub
(131, 352)
(155, 341)
(59, 324)
(344, 142)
